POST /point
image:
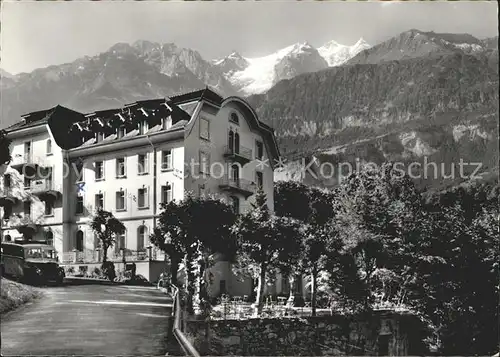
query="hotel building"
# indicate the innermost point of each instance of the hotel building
(128, 160)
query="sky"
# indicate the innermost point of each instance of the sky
(43, 33)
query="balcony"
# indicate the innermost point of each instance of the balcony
(24, 224)
(95, 256)
(44, 189)
(7, 197)
(244, 187)
(26, 164)
(240, 154)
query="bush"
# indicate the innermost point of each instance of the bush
(15, 294)
(97, 272)
(70, 270)
(108, 270)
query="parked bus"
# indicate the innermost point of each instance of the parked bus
(31, 262)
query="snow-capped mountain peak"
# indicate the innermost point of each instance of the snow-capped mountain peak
(337, 54)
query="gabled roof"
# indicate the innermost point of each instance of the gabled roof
(42, 117)
(206, 94)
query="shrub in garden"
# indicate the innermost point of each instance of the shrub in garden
(108, 270)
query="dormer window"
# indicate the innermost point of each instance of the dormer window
(234, 118)
(99, 136)
(143, 127)
(166, 123)
(121, 132)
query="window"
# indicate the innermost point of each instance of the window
(120, 200)
(99, 137)
(259, 179)
(27, 182)
(79, 170)
(27, 208)
(143, 127)
(49, 208)
(79, 241)
(259, 150)
(142, 164)
(166, 123)
(120, 242)
(97, 241)
(230, 141)
(99, 201)
(234, 118)
(49, 147)
(7, 181)
(27, 151)
(120, 167)
(142, 233)
(236, 143)
(7, 211)
(121, 132)
(49, 237)
(142, 200)
(8, 238)
(166, 159)
(166, 193)
(235, 204)
(204, 129)
(204, 162)
(235, 174)
(79, 204)
(99, 170)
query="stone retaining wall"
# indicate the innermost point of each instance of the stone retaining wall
(397, 334)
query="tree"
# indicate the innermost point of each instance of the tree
(195, 228)
(106, 227)
(314, 207)
(266, 243)
(172, 248)
(4, 148)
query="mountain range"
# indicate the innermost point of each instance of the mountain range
(417, 94)
(144, 69)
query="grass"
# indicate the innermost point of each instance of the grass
(15, 294)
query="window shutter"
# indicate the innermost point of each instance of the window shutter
(125, 196)
(146, 199)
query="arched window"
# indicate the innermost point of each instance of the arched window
(142, 233)
(120, 242)
(79, 241)
(230, 140)
(234, 118)
(49, 237)
(49, 147)
(8, 238)
(236, 143)
(235, 173)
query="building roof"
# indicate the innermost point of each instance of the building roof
(41, 117)
(182, 106)
(206, 94)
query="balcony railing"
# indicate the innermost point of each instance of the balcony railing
(96, 256)
(19, 162)
(237, 185)
(7, 196)
(25, 224)
(239, 154)
(44, 189)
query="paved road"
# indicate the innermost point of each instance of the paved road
(89, 320)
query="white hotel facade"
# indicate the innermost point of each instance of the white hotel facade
(128, 160)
